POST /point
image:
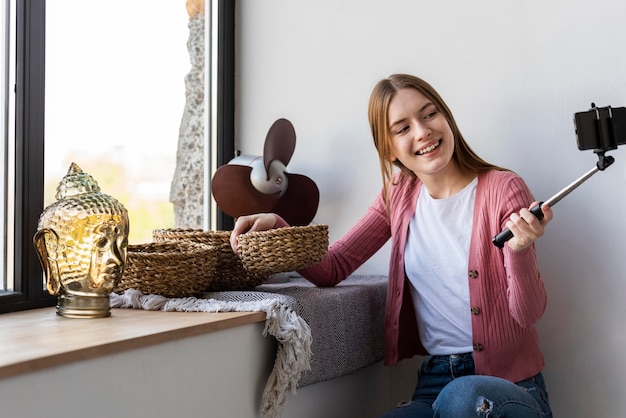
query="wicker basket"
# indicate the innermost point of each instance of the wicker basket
(169, 268)
(283, 249)
(230, 273)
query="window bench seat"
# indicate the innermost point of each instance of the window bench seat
(347, 323)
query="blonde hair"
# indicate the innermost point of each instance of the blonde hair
(464, 157)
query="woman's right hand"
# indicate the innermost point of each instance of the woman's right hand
(248, 223)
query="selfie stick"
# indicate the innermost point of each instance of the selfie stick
(604, 162)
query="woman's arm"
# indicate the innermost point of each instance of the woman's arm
(347, 254)
(526, 292)
(344, 256)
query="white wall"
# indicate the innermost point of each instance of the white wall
(514, 73)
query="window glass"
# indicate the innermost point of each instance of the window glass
(7, 92)
(115, 95)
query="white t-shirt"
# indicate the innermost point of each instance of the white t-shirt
(436, 261)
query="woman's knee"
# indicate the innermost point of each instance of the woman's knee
(464, 397)
(484, 396)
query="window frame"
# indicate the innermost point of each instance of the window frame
(225, 93)
(28, 292)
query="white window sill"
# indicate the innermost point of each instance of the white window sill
(39, 338)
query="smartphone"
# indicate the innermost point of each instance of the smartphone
(600, 128)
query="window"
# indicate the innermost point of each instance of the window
(25, 180)
(114, 100)
(23, 157)
(7, 75)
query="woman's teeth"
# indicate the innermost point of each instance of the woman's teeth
(429, 149)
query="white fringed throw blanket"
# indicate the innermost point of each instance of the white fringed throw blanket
(293, 334)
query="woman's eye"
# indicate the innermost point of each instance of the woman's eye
(403, 130)
(430, 115)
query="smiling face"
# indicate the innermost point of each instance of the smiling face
(420, 136)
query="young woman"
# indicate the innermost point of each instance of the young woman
(453, 296)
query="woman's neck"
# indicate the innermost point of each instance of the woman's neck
(442, 185)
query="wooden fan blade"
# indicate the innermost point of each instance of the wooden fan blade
(280, 143)
(298, 205)
(235, 194)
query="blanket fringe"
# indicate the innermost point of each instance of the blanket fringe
(293, 334)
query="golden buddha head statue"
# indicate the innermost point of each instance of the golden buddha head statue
(81, 241)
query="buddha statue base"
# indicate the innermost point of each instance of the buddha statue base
(73, 306)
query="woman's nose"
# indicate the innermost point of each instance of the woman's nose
(422, 132)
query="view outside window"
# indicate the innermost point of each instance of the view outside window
(115, 96)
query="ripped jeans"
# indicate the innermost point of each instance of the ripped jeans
(448, 388)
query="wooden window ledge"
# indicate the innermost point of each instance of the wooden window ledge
(39, 338)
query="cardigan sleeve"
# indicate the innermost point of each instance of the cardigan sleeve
(526, 292)
(347, 254)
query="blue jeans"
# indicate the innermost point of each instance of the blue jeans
(447, 387)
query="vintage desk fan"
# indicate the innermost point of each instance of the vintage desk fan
(254, 184)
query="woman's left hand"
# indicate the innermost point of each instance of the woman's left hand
(526, 228)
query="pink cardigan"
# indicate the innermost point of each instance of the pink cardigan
(507, 294)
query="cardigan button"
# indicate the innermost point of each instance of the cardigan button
(473, 274)
(476, 310)
(478, 347)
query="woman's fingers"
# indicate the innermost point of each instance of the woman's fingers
(526, 227)
(256, 222)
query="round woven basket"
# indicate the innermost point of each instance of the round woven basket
(283, 249)
(230, 273)
(169, 268)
